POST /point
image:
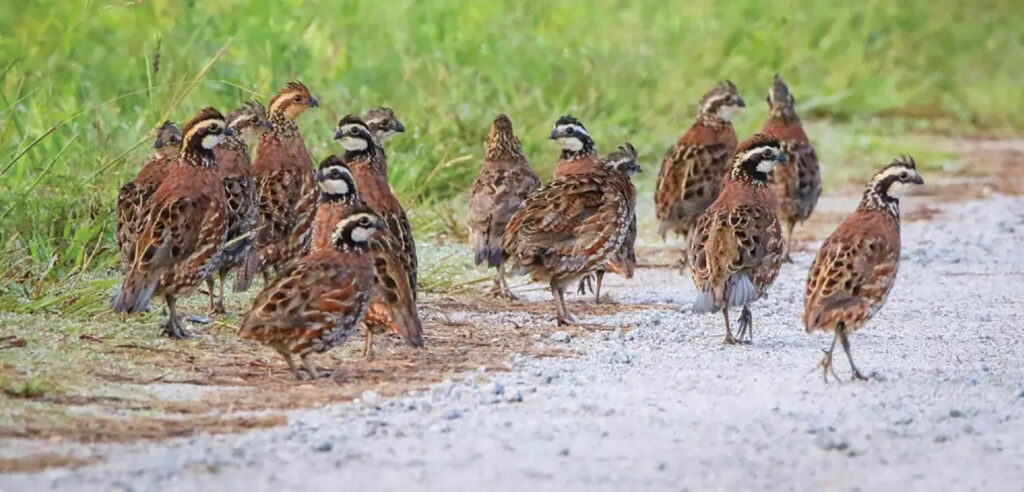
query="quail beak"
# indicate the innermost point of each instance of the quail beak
(639, 170)
(339, 134)
(313, 103)
(319, 176)
(918, 180)
(269, 125)
(781, 158)
(158, 144)
(228, 132)
(554, 134)
(741, 104)
(400, 128)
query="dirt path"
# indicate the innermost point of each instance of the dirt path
(662, 404)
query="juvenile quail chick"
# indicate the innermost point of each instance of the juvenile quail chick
(797, 182)
(736, 247)
(504, 182)
(363, 158)
(574, 225)
(133, 196)
(383, 124)
(283, 169)
(317, 302)
(693, 169)
(184, 229)
(235, 168)
(391, 307)
(856, 267)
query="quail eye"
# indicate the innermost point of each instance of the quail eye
(904, 175)
(297, 98)
(766, 153)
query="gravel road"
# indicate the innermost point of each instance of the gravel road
(666, 406)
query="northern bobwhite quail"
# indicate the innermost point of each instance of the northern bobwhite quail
(133, 196)
(579, 154)
(856, 266)
(283, 169)
(692, 170)
(184, 229)
(383, 124)
(574, 225)
(504, 182)
(797, 182)
(317, 302)
(363, 158)
(235, 168)
(392, 307)
(736, 246)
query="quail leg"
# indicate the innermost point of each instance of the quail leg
(172, 328)
(585, 285)
(597, 289)
(846, 348)
(291, 364)
(564, 318)
(307, 362)
(502, 284)
(216, 305)
(729, 340)
(367, 342)
(826, 361)
(220, 298)
(789, 241)
(746, 326)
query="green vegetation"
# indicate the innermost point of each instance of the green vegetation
(83, 83)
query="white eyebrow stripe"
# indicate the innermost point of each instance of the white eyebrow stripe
(236, 121)
(752, 152)
(578, 128)
(201, 126)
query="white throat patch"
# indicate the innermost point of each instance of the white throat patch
(335, 186)
(571, 144)
(211, 141)
(897, 189)
(353, 143)
(362, 234)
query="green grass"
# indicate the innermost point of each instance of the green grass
(80, 90)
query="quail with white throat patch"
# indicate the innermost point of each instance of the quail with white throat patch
(184, 228)
(855, 269)
(736, 247)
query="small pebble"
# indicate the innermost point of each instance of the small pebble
(514, 396)
(369, 397)
(561, 337)
(452, 414)
(956, 413)
(497, 388)
(323, 447)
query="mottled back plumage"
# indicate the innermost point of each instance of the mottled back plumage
(856, 267)
(736, 247)
(692, 170)
(797, 182)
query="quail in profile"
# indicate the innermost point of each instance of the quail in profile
(693, 169)
(392, 306)
(504, 182)
(284, 171)
(184, 228)
(736, 246)
(235, 167)
(364, 159)
(134, 195)
(383, 124)
(856, 267)
(797, 182)
(574, 225)
(317, 302)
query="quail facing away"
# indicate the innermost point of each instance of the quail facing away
(855, 268)
(133, 196)
(284, 171)
(574, 225)
(184, 229)
(392, 306)
(317, 302)
(692, 170)
(504, 182)
(797, 182)
(235, 168)
(364, 160)
(736, 246)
